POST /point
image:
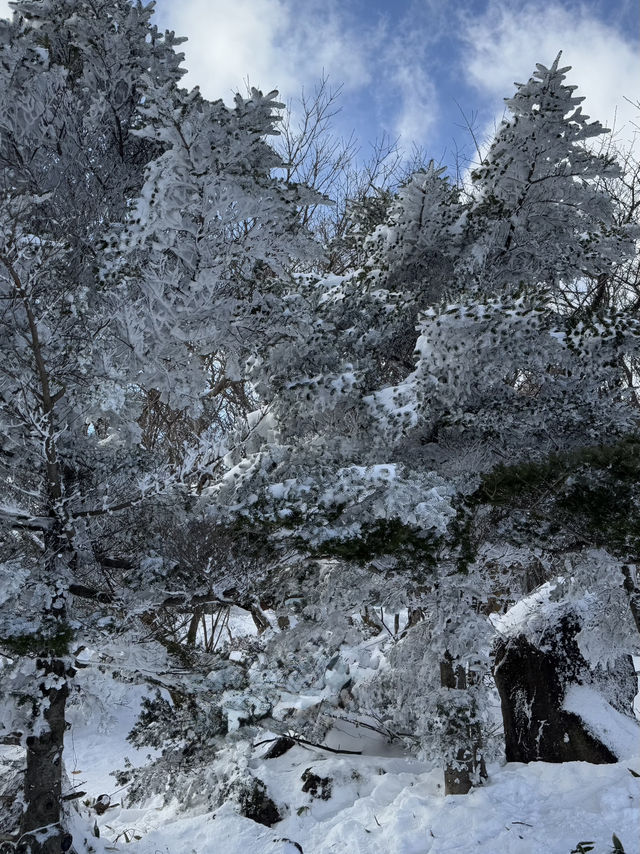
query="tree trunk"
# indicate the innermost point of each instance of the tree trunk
(468, 768)
(192, 633)
(41, 827)
(42, 830)
(633, 592)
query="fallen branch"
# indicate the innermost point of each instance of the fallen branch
(305, 743)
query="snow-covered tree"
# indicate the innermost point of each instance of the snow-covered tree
(541, 217)
(140, 238)
(71, 88)
(361, 441)
(188, 425)
(206, 249)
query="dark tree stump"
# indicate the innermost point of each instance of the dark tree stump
(532, 681)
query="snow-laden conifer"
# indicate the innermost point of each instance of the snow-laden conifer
(540, 216)
(87, 339)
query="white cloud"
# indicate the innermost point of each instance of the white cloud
(416, 109)
(505, 44)
(227, 45)
(5, 12)
(288, 45)
(411, 102)
(273, 43)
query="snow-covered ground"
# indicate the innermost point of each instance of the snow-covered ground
(381, 802)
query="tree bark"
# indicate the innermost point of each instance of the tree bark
(469, 766)
(41, 828)
(633, 592)
(532, 682)
(42, 831)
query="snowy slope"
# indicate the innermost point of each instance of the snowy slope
(380, 803)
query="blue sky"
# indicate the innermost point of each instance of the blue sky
(410, 68)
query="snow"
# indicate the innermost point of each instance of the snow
(528, 614)
(382, 806)
(95, 743)
(382, 802)
(618, 732)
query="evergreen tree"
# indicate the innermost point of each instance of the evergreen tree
(363, 442)
(206, 250)
(70, 165)
(146, 251)
(111, 293)
(540, 216)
